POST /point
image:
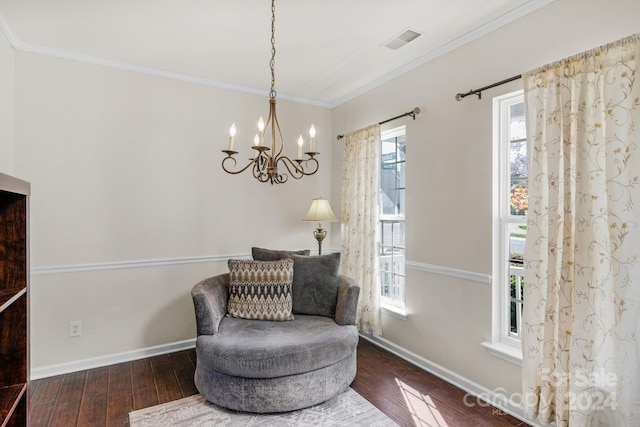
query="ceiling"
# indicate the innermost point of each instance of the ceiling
(327, 51)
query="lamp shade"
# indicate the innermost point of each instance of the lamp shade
(320, 210)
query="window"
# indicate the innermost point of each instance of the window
(510, 216)
(392, 221)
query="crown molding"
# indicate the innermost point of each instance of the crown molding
(513, 15)
(23, 46)
(472, 35)
(8, 32)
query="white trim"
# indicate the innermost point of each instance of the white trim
(126, 66)
(472, 35)
(61, 269)
(27, 47)
(111, 359)
(8, 32)
(504, 351)
(451, 272)
(394, 311)
(453, 378)
(13, 299)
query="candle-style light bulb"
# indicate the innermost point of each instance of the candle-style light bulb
(312, 138)
(256, 140)
(260, 130)
(300, 142)
(232, 134)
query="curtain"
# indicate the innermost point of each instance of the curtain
(360, 229)
(582, 255)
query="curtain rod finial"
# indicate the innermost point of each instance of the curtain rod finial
(416, 111)
(459, 96)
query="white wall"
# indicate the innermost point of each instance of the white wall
(6, 105)
(125, 167)
(449, 174)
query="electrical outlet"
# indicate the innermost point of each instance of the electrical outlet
(75, 328)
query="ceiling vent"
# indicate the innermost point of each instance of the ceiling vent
(402, 39)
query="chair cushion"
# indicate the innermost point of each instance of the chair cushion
(260, 289)
(258, 349)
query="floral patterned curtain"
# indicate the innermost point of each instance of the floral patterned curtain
(360, 229)
(582, 256)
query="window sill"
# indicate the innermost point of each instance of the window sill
(393, 311)
(505, 352)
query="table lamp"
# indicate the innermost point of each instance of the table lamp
(319, 211)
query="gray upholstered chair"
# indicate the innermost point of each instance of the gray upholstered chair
(273, 366)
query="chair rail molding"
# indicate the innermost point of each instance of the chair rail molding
(120, 265)
(451, 272)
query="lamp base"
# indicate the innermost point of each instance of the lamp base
(319, 234)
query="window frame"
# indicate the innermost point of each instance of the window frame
(394, 307)
(503, 343)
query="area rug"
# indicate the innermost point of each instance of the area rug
(348, 409)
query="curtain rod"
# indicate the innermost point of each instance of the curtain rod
(411, 113)
(460, 96)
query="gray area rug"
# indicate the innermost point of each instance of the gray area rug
(348, 409)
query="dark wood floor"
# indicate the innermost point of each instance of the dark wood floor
(104, 396)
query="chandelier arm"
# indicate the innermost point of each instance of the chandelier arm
(259, 174)
(251, 162)
(281, 178)
(261, 167)
(256, 161)
(311, 159)
(277, 125)
(298, 170)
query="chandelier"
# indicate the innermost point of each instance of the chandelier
(266, 161)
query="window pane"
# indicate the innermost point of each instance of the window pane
(392, 206)
(514, 318)
(519, 197)
(518, 160)
(390, 203)
(401, 175)
(398, 234)
(401, 149)
(389, 176)
(517, 236)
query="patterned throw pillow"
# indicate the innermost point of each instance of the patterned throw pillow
(260, 290)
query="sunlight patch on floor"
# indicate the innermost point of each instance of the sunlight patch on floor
(422, 408)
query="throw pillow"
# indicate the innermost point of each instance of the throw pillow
(262, 254)
(315, 284)
(260, 290)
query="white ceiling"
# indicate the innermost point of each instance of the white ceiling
(327, 51)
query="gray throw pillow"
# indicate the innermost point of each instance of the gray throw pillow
(262, 254)
(315, 284)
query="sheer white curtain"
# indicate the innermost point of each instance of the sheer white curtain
(360, 230)
(582, 257)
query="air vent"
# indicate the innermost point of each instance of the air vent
(402, 39)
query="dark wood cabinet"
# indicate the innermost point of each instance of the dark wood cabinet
(14, 305)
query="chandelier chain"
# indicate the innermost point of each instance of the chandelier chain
(272, 63)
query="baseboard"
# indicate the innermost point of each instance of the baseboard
(111, 359)
(474, 389)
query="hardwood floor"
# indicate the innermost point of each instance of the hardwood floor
(104, 396)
